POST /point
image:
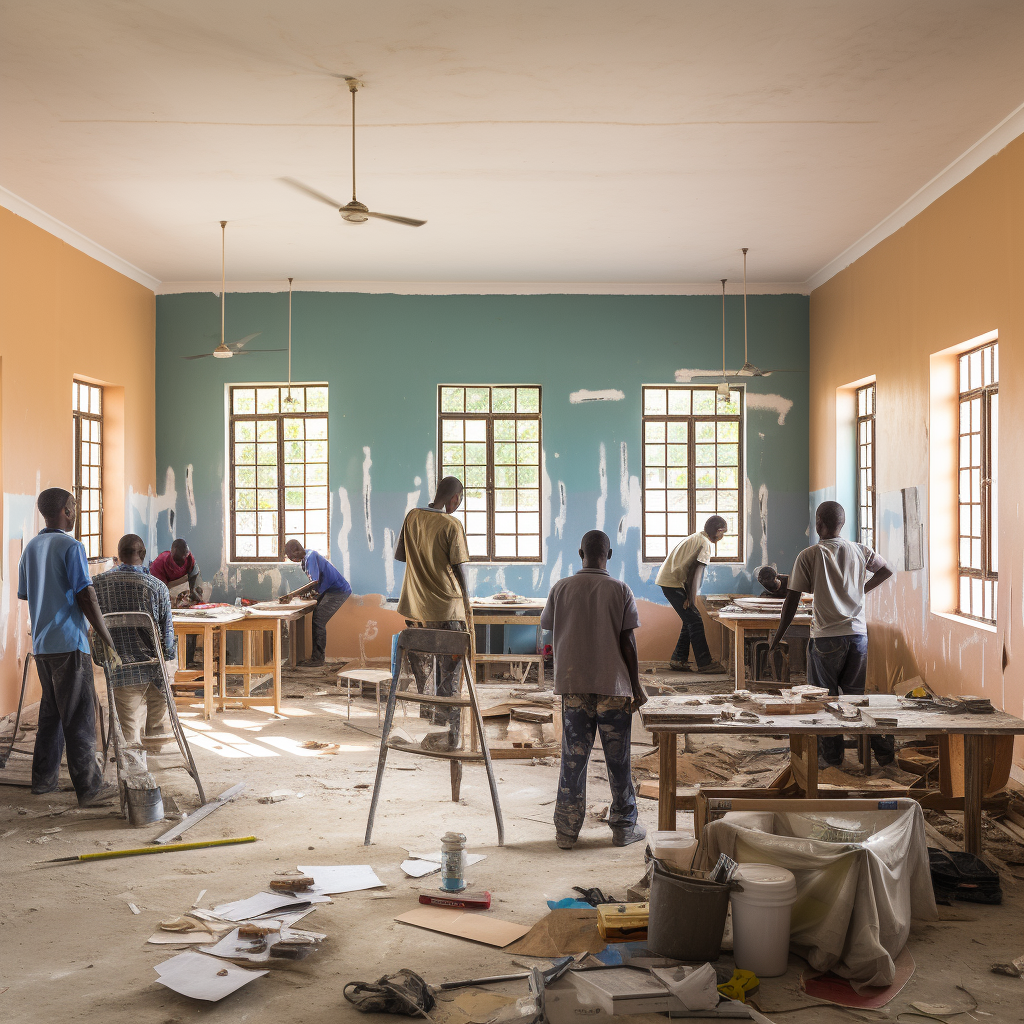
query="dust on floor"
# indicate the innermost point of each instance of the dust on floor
(71, 949)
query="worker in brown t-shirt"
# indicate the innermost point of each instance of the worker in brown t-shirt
(433, 546)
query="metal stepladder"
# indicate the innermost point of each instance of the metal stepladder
(437, 643)
(139, 621)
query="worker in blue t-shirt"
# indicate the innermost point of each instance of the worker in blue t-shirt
(53, 577)
(332, 590)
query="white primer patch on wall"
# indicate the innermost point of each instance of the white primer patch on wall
(556, 571)
(602, 472)
(345, 515)
(412, 498)
(149, 506)
(608, 395)
(190, 496)
(644, 569)
(770, 403)
(367, 487)
(389, 559)
(629, 495)
(762, 502)
(537, 576)
(563, 510)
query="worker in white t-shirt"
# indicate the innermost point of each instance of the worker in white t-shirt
(680, 577)
(836, 571)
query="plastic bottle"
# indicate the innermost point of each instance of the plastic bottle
(453, 850)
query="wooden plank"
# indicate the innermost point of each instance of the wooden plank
(197, 815)
(686, 797)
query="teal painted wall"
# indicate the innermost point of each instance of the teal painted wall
(383, 357)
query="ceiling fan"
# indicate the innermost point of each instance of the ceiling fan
(233, 348)
(748, 369)
(354, 212)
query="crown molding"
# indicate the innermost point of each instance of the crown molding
(965, 164)
(41, 219)
(484, 288)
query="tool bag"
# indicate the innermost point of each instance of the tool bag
(404, 992)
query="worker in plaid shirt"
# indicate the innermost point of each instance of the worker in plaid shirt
(139, 694)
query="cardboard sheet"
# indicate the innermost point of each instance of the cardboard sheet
(562, 932)
(420, 864)
(475, 925)
(202, 977)
(329, 879)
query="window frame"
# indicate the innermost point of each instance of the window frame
(871, 506)
(691, 489)
(985, 392)
(489, 488)
(278, 417)
(78, 416)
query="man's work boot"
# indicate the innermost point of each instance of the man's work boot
(711, 668)
(627, 836)
(564, 842)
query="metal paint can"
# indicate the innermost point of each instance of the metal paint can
(453, 862)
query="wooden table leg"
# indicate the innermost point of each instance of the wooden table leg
(667, 781)
(208, 671)
(456, 767)
(974, 786)
(277, 666)
(222, 676)
(741, 680)
(811, 755)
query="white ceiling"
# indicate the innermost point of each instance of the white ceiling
(574, 141)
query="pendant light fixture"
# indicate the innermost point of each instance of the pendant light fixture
(290, 401)
(723, 387)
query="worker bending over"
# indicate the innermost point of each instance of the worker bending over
(433, 546)
(332, 590)
(139, 693)
(179, 572)
(592, 616)
(835, 571)
(680, 578)
(53, 577)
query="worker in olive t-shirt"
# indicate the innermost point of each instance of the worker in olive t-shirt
(433, 546)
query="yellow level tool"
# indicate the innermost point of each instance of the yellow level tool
(107, 854)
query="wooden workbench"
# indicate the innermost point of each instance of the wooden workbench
(208, 625)
(488, 612)
(666, 718)
(739, 622)
(258, 658)
(293, 615)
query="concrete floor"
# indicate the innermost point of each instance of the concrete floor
(72, 950)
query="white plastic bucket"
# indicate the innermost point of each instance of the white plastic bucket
(761, 918)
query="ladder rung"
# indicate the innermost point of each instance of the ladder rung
(444, 755)
(428, 698)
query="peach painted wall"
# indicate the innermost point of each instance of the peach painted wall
(64, 314)
(953, 273)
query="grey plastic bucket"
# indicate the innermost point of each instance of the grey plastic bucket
(687, 916)
(144, 805)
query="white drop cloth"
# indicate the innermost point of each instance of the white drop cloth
(854, 900)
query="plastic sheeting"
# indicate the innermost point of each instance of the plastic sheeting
(854, 901)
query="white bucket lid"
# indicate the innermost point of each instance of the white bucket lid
(765, 884)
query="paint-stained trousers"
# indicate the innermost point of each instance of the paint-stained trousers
(449, 669)
(66, 715)
(584, 715)
(326, 605)
(840, 663)
(143, 714)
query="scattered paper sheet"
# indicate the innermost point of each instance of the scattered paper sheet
(163, 938)
(477, 926)
(264, 903)
(329, 879)
(420, 864)
(202, 977)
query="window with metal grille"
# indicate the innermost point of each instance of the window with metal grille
(977, 458)
(87, 425)
(278, 470)
(489, 437)
(866, 464)
(693, 467)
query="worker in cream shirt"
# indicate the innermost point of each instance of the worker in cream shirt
(680, 578)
